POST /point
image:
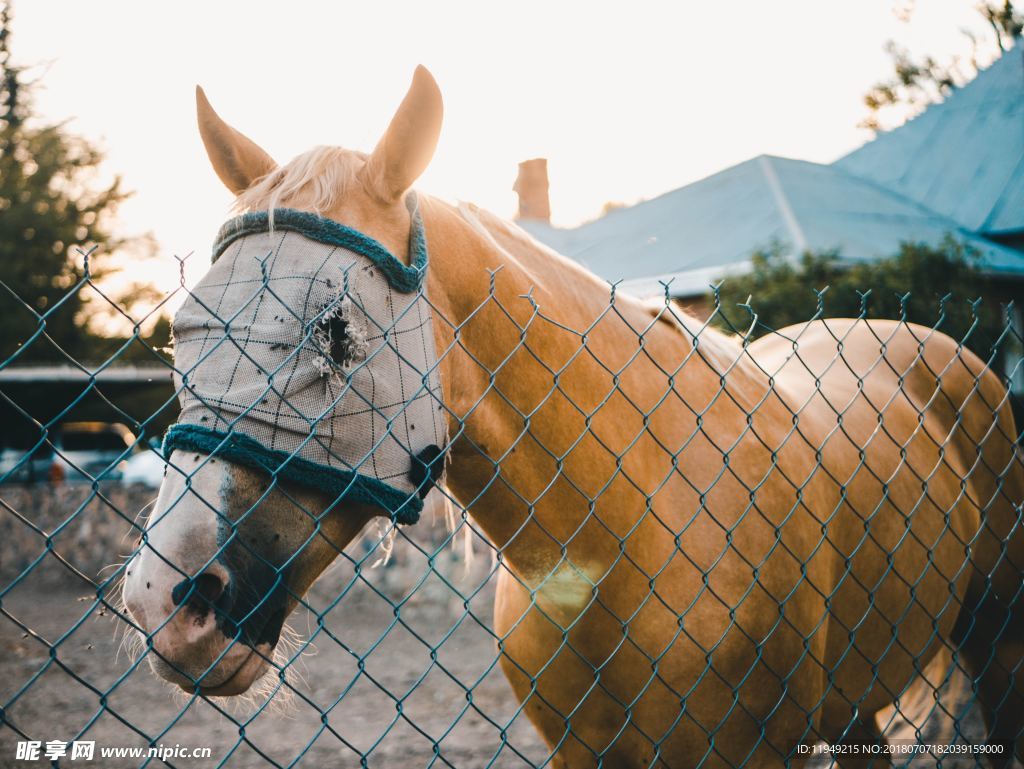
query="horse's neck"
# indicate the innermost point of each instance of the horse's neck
(548, 383)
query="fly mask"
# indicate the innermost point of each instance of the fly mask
(307, 352)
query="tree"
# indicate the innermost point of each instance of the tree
(916, 83)
(55, 230)
(913, 285)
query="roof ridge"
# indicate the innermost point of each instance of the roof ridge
(619, 210)
(781, 199)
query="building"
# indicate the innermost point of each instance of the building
(958, 168)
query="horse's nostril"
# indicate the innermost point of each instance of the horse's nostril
(200, 592)
(209, 586)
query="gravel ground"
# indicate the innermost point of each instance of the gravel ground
(456, 710)
(87, 685)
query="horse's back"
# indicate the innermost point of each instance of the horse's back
(900, 380)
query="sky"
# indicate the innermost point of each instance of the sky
(626, 100)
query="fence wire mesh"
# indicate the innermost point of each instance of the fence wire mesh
(682, 634)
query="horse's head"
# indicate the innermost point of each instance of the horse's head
(310, 404)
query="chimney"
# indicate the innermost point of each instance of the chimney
(532, 186)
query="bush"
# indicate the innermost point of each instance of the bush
(940, 287)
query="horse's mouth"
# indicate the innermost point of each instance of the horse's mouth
(218, 665)
(239, 676)
(250, 670)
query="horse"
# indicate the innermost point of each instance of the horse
(713, 553)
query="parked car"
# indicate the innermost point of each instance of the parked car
(89, 450)
(26, 464)
(81, 452)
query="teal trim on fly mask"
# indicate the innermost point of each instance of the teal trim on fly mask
(256, 370)
(402, 277)
(346, 484)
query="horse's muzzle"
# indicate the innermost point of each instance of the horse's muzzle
(216, 638)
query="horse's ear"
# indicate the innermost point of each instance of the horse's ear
(406, 148)
(238, 160)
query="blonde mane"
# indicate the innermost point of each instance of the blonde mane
(314, 181)
(722, 352)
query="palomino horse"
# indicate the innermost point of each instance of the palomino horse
(714, 554)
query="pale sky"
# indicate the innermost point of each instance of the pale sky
(626, 100)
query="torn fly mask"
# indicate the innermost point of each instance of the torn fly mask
(307, 352)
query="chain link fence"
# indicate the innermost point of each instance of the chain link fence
(394, 657)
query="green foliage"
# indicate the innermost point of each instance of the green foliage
(916, 83)
(934, 286)
(1007, 23)
(51, 212)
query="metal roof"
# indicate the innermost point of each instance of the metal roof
(963, 158)
(708, 229)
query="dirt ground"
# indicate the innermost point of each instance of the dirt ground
(366, 691)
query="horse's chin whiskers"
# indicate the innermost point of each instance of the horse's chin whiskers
(138, 516)
(131, 642)
(384, 532)
(267, 692)
(441, 501)
(288, 655)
